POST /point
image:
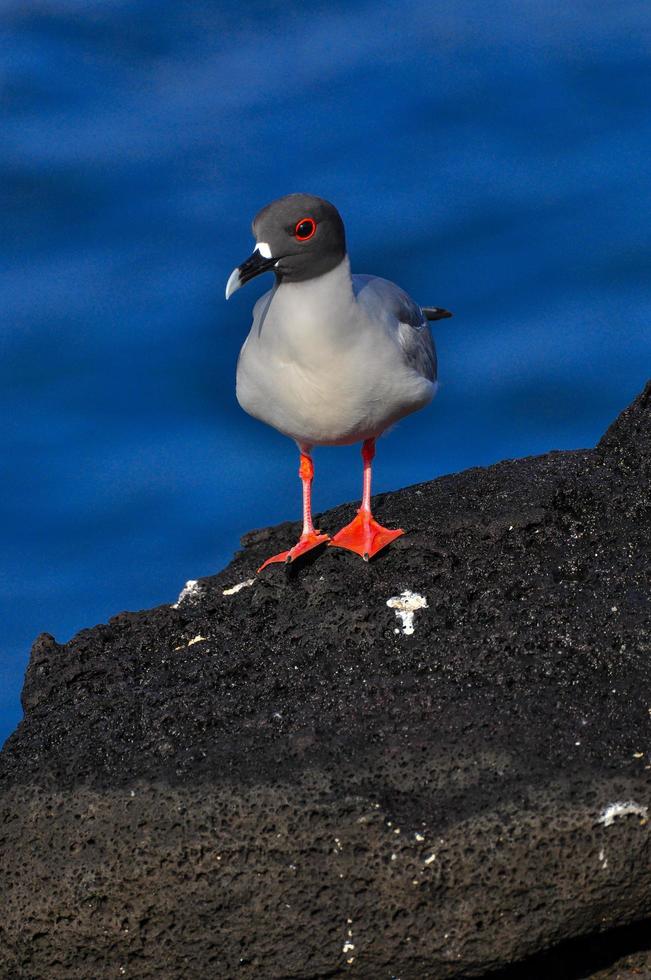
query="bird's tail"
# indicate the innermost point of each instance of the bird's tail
(435, 313)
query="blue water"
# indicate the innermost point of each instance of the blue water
(491, 158)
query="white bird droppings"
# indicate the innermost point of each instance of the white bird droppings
(240, 585)
(405, 605)
(622, 808)
(190, 590)
(196, 639)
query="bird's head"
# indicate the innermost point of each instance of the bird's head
(297, 237)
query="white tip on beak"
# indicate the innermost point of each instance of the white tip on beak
(234, 282)
(259, 261)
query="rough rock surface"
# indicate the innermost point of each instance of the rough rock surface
(283, 781)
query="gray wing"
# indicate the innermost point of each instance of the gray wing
(385, 301)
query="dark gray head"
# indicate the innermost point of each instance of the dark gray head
(298, 237)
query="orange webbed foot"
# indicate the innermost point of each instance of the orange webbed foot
(305, 543)
(364, 536)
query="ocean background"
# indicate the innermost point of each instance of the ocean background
(490, 158)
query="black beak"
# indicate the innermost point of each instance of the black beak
(254, 265)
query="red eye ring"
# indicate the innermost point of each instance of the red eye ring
(305, 233)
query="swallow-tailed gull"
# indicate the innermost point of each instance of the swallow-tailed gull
(331, 358)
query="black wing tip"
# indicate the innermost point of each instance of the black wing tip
(436, 313)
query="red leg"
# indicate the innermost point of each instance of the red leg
(364, 535)
(309, 538)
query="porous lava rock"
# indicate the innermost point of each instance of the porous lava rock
(281, 776)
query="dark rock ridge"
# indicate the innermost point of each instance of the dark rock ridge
(282, 781)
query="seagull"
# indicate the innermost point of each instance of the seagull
(332, 358)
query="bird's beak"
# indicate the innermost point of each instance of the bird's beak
(259, 261)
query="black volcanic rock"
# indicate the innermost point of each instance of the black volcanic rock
(281, 782)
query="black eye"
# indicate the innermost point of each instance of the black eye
(304, 229)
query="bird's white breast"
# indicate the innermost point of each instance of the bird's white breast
(315, 367)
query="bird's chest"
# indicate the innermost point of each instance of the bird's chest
(304, 359)
(309, 376)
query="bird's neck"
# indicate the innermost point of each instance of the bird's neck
(320, 292)
(310, 316)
